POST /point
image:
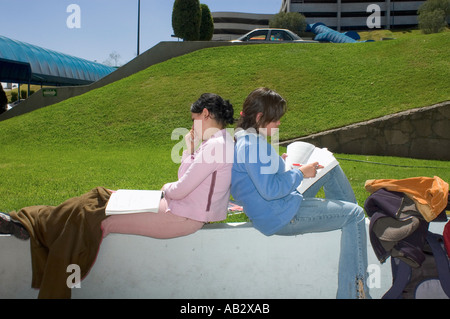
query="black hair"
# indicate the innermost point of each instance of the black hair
(221, 110)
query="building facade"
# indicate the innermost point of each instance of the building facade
(336, 14)
(231, 25)
(354, 14)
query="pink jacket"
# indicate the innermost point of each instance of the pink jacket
(202, 191)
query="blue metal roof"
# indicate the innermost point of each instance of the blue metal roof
(21, 62)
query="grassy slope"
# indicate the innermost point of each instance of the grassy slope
(380, 34)
(119, 136)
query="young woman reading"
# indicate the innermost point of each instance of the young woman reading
(71, 233)
(269, 196)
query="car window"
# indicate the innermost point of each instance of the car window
(259, 35)
(280, 35)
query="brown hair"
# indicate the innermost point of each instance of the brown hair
(265, 101)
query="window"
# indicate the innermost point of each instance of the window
(260, 35)
(280, 35)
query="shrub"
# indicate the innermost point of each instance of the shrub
(431, 5)
(206, 24)
(186, 17)
(14, 96)
(294, 21)
(432, 21)
(434, 15)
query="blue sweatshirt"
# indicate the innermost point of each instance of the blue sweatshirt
(261, 185)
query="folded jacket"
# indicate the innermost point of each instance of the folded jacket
(429, 194)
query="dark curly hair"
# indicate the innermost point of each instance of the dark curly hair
(221, 110)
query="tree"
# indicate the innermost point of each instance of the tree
(186, 17)
(431, 5)
(432, 21)
(113, 59)
(434, 15)
(206, 24)
(294, 21)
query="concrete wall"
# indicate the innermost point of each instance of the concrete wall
(418, 133)
(221, 261)
(161, 52)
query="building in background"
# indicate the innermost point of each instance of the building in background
(25, 63)
(336, 14)
(231, 25)
(7, 86)
(353, 14)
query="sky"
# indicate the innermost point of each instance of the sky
(96, 28)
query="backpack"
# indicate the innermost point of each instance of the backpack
(430, 280)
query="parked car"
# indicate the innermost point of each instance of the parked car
(270, 35)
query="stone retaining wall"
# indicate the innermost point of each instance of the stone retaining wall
(418, 133)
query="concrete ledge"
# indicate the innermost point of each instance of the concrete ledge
(231, 261)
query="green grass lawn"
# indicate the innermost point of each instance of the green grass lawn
(37, 177)
(119, 136)
(380, 34)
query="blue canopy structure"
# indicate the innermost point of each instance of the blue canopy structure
(21, 62)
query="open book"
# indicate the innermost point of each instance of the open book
(304, 153)
(126, 201)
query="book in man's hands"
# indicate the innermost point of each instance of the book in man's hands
(126, 201)
(301, 153)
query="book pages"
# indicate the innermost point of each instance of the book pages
(126, 201)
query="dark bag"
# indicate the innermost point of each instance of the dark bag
(430, 280)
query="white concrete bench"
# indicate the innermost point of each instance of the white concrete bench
(226, 261)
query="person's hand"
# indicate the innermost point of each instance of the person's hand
(189, 139)
(284, 156)
(310, 170)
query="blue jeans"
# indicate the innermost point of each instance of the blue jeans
(337, 211)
